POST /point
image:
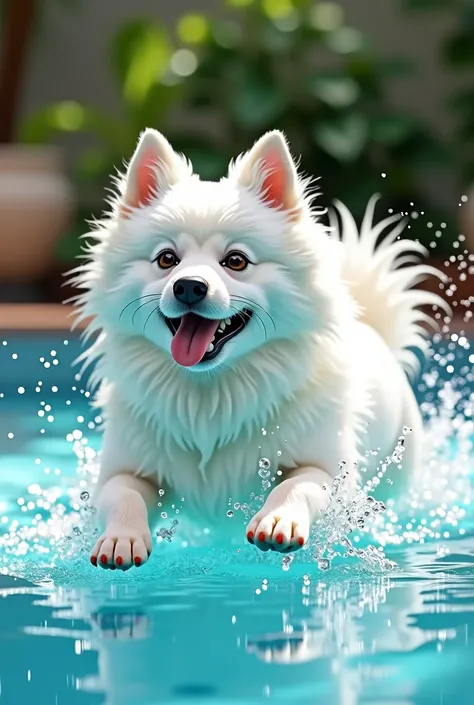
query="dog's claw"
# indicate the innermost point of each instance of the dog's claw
(122, 548)
(285, 529)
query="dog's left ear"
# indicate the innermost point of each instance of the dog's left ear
(268, 168)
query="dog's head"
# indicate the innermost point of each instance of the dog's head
(208, 272)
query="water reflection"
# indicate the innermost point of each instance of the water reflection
(350, 639)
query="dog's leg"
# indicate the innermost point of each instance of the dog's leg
(284, 522)
(123, 503)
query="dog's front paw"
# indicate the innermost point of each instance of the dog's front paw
(285, 529)
(122, 547)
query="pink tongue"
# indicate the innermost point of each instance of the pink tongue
(192, 338)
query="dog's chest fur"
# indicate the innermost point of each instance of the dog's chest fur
(205, 442)
(202, 460)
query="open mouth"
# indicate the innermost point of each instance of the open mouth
(197, 339)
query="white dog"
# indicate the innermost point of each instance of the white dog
(223, 309)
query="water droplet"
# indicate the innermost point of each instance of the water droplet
(164, 515)
(230, 513)
(161, 492)
(84, 496)
(264, 467)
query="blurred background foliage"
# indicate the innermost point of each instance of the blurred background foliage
(457, 52)
(214, 85)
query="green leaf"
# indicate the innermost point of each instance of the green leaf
(363, 69)
(428, 4)
(465, 130)
(326, 16)
(153, 111)
(210, 164)
(336, 91)
(277, 42)
(240, 3)
(69, 116)
(346, 40)
(96, 164)
(467, 14)
(140, 54)
(421, 151)
(462, 100)
(459, 50)
(257, 104)
(391, 129)
(468, 172)
(395, 67)
(193, 28)
(227, 34)
(343, 138)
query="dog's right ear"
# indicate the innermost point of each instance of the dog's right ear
(154, 167)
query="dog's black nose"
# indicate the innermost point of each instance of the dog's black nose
(190, 290)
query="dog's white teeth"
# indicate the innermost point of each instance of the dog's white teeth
(210, 347)
(227, 320)
(221, 326)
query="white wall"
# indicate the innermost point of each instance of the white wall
(70, 57)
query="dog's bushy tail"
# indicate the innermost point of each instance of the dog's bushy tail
(381, 276)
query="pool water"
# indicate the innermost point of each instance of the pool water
(201, 624)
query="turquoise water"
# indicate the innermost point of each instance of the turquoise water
(208, 625)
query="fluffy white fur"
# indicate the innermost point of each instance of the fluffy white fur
(326, 351)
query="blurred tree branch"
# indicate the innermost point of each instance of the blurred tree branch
(17, 26)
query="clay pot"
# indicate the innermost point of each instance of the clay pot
(36, 201)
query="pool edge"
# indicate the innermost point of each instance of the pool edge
(37, 317)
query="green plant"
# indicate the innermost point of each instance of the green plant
(457, 52)
(218, 84)
(140, 55)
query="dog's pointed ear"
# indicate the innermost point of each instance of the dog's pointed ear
(154, 167)
(269, 170)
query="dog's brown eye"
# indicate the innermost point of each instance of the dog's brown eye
(236, 261)
(166, 259)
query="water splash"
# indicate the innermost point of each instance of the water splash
(434, 505)
(58, 523)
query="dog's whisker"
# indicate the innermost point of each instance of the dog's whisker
(239, 313)
(262, 323)
(253, 304)
(134, 301)
(157, 308)
(151, 301)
